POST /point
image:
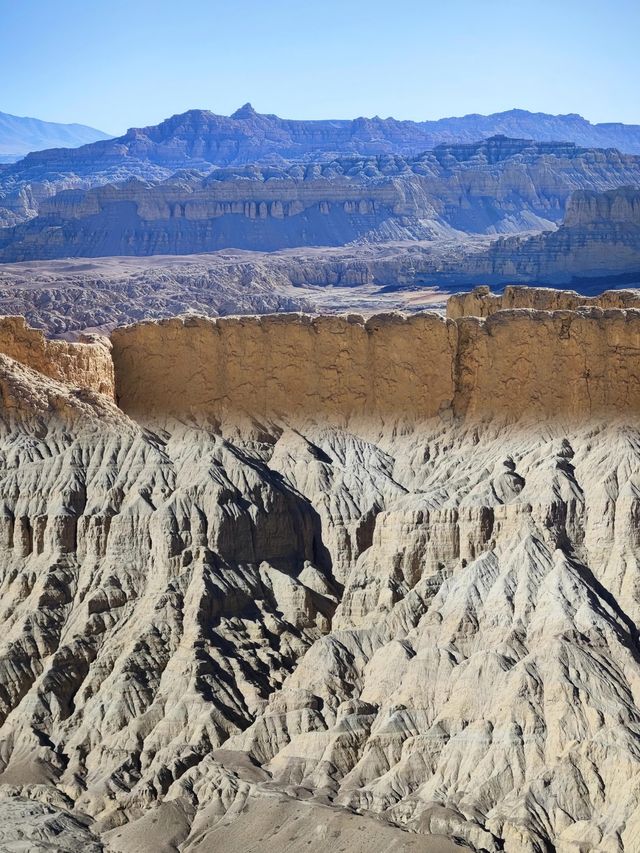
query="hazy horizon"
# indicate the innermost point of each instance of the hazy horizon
(117, 66)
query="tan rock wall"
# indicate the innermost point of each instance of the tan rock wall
(87, 364)
(290, 365)
(513, 364)
(481, 302)
(571, 364)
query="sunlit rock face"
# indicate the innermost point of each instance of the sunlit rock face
(343, 370)
(85, 364)
(405, 612)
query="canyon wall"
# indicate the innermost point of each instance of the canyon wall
(514, 363)
(86, 364)
(576, 361)
(598, 237)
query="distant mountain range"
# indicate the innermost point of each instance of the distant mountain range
(199, 182)
(201, 141)
(200, 137)
(497, 186)
(20, 135)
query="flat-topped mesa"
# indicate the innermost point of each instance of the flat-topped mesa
(87, 364)
(481, 302)
(515, 364)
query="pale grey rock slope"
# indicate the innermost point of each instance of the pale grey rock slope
(29, 826)
(407, 630)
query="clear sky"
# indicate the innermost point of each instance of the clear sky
(115, 64)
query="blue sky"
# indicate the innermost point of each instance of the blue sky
(122, 63)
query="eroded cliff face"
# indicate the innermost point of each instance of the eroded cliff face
(86, 364)
(510, 363)
(289, 365)
(514, 364)
(233, 613)
(481, 302)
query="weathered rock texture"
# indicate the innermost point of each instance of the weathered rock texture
(521, 362)
(86, 364)
(481, 302)
(239, 626)
(293, 365)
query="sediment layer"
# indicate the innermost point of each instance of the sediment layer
(514, 363)
(578, 360)
(86, 364)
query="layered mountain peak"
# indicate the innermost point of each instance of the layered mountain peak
(245, 111)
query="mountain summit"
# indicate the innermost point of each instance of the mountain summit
(247, 136)
(245, 111)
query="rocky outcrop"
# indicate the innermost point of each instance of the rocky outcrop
(600, 236)
(589, 208)
(513, 364)
(481, 302)
(86, 364)
(286, 365)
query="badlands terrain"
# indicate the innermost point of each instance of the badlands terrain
(253, 213)
(324, 582)
(97, 294)
(263, 214)
(287, 558)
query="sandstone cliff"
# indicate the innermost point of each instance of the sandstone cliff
(519, 363)
(291, 365)
(512, 364)
(87, 364)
